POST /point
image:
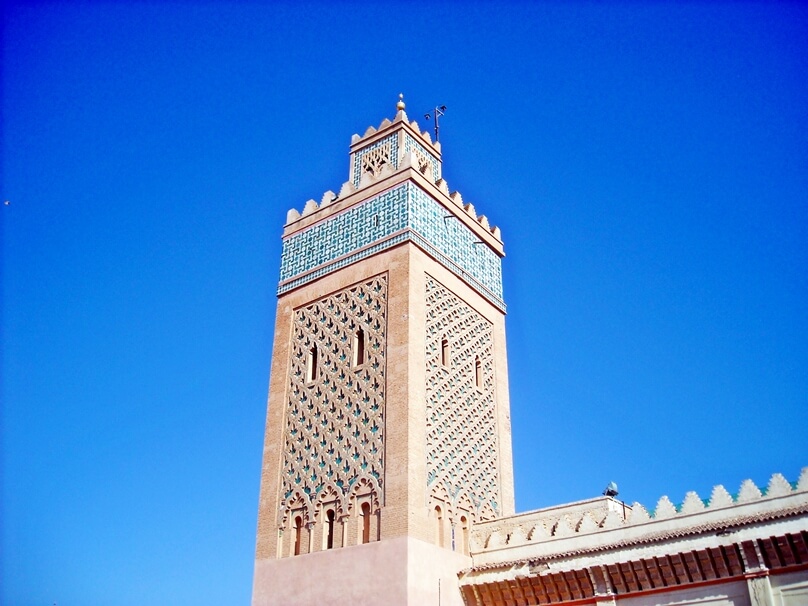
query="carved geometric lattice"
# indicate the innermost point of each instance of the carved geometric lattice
(462, 451)
(422, 160)
(334, 435)
(374, 159)
(424, 157)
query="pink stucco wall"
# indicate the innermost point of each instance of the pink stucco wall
(401, 571)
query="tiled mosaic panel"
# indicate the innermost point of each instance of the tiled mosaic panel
(462, 452)
(356, 227)
(411, 144)
(334, 435)
(455, 240)
(370, 156)
(346, 260)
(405, 206)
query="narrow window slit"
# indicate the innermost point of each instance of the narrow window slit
(365, 522)
(439, 526)
(330, 529)
(444, 351)
(298, 531)
(358, 354)
(311, 365)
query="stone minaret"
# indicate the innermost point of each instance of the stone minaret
(388, 426)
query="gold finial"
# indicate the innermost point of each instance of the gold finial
(400, 104)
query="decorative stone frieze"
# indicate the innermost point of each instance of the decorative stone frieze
(462, 462)
(334, 439)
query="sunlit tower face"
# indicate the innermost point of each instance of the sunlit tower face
(388, 416)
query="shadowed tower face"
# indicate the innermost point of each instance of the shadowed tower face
(388, 428)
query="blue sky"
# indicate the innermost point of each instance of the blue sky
(646, 163)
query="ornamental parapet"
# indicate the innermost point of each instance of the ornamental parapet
(605, 522)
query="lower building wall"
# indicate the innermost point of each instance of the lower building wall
(790, 589)
(401, 571)
(433, 575)
(734, 593)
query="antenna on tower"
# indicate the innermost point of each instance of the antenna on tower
(437, 112)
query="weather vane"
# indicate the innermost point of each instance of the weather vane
(438, 112)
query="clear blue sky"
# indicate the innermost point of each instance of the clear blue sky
(648, 166)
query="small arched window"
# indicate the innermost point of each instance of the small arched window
(464, 535)
(439, 525)
(365, 522)
(444, 351)
(358, 353)
(478, 372)
(329, 523)
(298, 533)
(311, 364)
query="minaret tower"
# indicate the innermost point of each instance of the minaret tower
(388, 426)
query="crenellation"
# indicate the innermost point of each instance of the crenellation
(539, 531)
(692, 503)
(518, 537)
(587, 523)
(346, 190)
(423, 136)
(802, 482)
(309, 208)
(639, 514)
(612, 520)
(476, 542)
(748, 492)
(720, 497)
(564, 527)
(365, 179)
(496, 539)
(778, 486)
(604, 515)
(408, 159)
(328, 197)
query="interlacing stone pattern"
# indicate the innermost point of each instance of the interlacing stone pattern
(424, 157)
(372, 158)
(462, 451)
(334, 442)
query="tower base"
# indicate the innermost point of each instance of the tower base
(395, 572)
